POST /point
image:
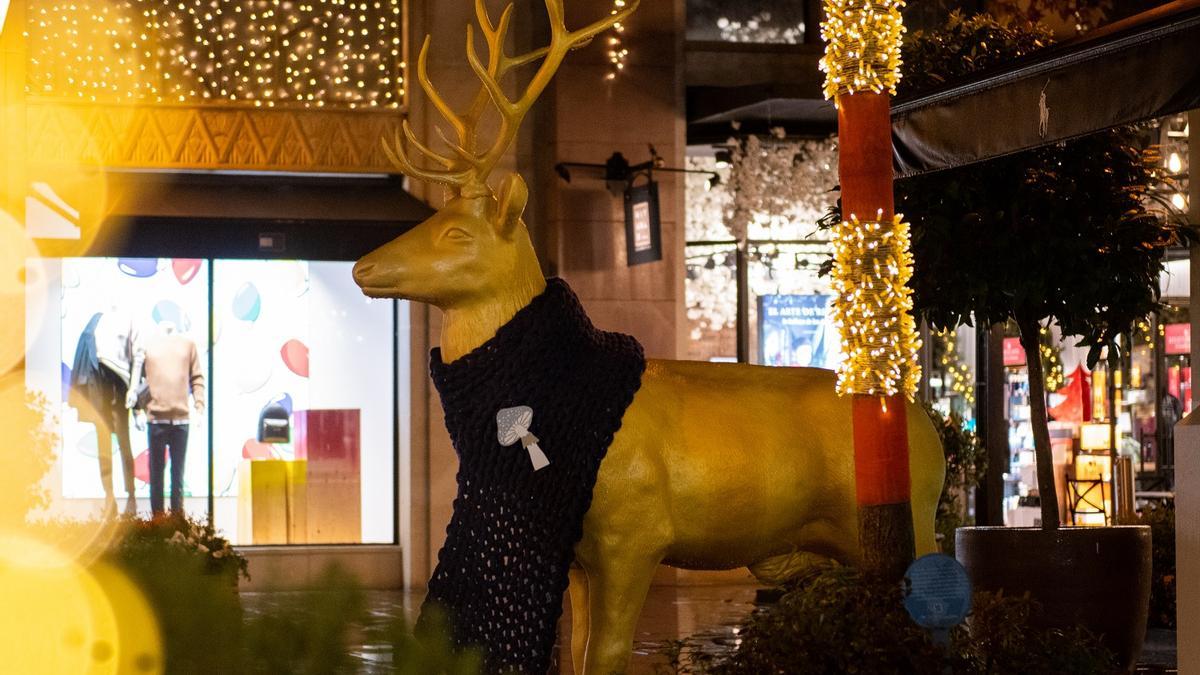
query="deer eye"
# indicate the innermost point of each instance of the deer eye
(457, 234)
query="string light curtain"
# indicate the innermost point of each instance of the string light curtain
(262, 52)
(618, 53)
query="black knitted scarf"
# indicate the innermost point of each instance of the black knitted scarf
(503, 569)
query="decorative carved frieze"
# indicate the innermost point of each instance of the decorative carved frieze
(209, 136)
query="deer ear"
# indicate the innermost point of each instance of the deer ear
(514, 195)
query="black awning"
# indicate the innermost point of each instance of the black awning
(1139, 68)
(755, 114)
(1144, 67)
(263, 196)
(234, 215)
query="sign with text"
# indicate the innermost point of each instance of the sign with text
(797, 330)
(643, 233)
(1177, 338)
(1014, 353)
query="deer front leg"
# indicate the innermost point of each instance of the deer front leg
(617, 587)
(580, 617)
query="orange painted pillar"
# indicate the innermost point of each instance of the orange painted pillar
(881, 465)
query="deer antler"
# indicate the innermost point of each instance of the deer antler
(468, 170)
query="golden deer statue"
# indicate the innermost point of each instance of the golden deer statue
(715, 466)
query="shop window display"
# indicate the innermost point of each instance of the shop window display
(296, 342)
(297, 394)
(86, 355)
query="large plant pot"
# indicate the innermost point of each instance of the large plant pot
(1098, 577)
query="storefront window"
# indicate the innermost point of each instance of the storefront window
(300, 338)
(767, 201)
(284, 434)
(97, 314)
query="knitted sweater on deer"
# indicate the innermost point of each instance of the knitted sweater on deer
(503, 569)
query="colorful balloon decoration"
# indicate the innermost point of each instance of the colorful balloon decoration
(139, 268)
(295, 276)
(141, 466)
(284, 400)
(89, 444)
(295, 356)
(185, 269)
(247, 302)
(169, 310)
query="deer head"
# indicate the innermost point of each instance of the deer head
(473, 259)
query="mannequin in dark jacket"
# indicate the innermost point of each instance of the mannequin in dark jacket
(106, 356)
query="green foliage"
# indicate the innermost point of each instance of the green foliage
(966, 464)
(30, 442)
(1061, 232)
(833, 620)
(963, 46)
(174, 536)
(1001, 637)
(1161, 520)
(189, 576)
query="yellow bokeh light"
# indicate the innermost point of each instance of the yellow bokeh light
(60, 618)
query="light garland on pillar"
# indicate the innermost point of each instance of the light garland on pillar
(862, 46)
(872, 265)
(267, 52)
(618, 54)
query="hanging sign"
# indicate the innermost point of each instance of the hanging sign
(1014, 353)
(1178, 338)
(643, 232)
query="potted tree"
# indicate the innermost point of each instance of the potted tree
(1058, 234)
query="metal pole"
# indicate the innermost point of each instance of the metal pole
(743, 304)
(1111, 381)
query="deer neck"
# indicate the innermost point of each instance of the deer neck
(465, 327)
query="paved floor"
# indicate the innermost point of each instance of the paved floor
(709, 614)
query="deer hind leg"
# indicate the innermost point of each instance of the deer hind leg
(617, 588)
(580, 616)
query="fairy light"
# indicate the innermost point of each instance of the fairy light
(962, 381)
(1055, 374)
(862, 46)
(618, 54)
(872, 265)
(262, 52)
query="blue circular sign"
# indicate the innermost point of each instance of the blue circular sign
(938, 592)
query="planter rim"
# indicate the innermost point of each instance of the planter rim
(1062, 528)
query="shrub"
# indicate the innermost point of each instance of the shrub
(966, 463)
(833, 620)
(1161, 520)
